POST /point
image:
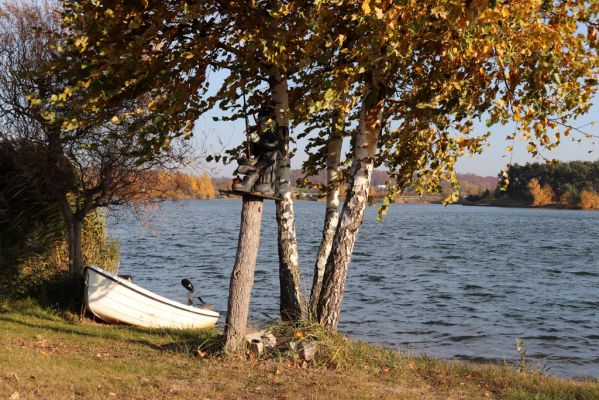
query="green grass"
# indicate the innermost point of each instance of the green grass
(50, 354)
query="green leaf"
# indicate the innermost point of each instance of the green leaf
(329, 95)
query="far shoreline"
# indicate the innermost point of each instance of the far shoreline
(409, 200)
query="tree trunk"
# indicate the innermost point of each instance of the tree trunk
(331, 215)
(242, 277)
(76, 262)
(329, 304)
(292, 303)
(74, 224)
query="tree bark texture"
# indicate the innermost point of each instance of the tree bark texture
(242, 277)
(329, 304)
(73, 225)
(331, 217)
(292, 303)
(76, 261)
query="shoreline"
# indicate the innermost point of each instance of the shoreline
(44, 351)
(413, 201)
(522, 205)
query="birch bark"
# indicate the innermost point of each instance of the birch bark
(329, 304)
(292, 303)
(331, 214)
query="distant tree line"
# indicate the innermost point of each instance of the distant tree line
(563, 184)
(178, 185)
(470, 184)
(573, 184)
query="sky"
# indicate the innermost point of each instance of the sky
(212, 137)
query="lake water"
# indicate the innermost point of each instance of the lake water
(454, 282)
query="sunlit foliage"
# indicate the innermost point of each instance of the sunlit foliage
(541, 196)
(589, 200)
(178, 185)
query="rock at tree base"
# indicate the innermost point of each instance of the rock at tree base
(258, 341)
(256, 347)
(269, 339)
(250, 337)
(307, 350)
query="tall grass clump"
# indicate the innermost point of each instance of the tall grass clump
(334, 351)
(45, 275)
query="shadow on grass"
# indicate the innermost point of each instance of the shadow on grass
(182, 341)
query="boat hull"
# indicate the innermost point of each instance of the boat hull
(114, 299)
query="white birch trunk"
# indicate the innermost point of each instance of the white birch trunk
(331, 217)
(329, 304)
(292, 303)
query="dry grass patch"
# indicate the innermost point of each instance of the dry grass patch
(44, 354)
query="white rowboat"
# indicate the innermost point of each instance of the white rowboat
(114, 299)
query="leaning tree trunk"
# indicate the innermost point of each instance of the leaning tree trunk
(292, 301)
(242, 277)
(331, 214)
(329, 304)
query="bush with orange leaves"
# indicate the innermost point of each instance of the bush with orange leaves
(589, 200)
(178, 185)
(541, 196)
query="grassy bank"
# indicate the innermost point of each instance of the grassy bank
(50, 355)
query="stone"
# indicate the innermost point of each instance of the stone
(307, 350)
(269, 340)
(293, 346)
(256, 347)
(254, 336)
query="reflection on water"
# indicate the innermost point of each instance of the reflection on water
(456, 282)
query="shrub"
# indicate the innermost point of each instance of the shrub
(542, 196)
(33, 250)
(589, 200)
(36, 274)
